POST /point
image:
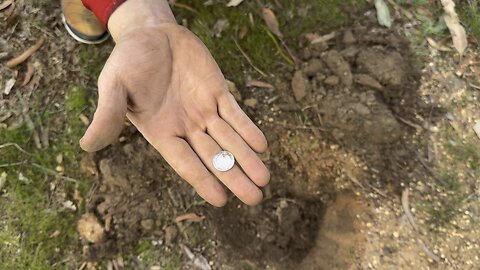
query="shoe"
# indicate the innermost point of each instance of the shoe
(81, 23)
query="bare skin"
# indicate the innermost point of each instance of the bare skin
(162, 77)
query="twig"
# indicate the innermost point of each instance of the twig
(248, 59)
(12, 164)
(279, 48)
(355, 180)
(184, 6)
(408, 123)
(22, 57)
(53, 173)
(406, 208)
(427, 251)
(302, 127)
(16, 146)
(474, 86)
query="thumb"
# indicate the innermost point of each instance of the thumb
(109, 118)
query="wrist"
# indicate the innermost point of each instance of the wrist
(136, 14)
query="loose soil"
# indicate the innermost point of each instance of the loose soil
(335, 124)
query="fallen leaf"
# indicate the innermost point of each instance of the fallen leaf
(189, 217)
(234, 3)
(437, 46)
(272, 22)
(234, 90)
(3, 179)
(323, 38)
(259, 84)
(8, 86)
(476, 128)
(84, 119)
(5, 4)
(383, 14)
(28, 75)
(243, 32)
(26, 54)
(219, 27)
(457, 31)
(54, 234)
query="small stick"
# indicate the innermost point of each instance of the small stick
(22, 57)
(406, 208)
(184, 6)
(16, 146)
(408, 123)
(248, 59)
(53, 173)
(12, 164)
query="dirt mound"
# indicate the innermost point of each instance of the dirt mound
(332, 124)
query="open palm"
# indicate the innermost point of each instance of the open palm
(168, 85)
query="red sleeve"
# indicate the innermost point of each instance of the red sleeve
(103, 8)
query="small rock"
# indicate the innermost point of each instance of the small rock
(332, 80)
(90, 228)
(250, 102)
(171, 233)
(366, 80)
(147, 224)
(314, 66)
(318, 48)
(348, 38)
(299, 86)
(319, 78)
(234, 90)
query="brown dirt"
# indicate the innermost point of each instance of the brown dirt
(340, 130)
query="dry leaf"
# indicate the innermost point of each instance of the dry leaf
(29, 74)
(189, 217)
(22, 57)
(437, 46)
(457, 31)
(3, 179)
(5, 4)
(271, 21)
(476, 128)
(383, 13)
(54, 234)
(259, 84)
(234, 3)
(8, 86)
(243, 32)
(324, 38)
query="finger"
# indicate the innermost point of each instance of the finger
(228, 139)
(231, 112)
(186, 163)
(234, 179)
(108, 120)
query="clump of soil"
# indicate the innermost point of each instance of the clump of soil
(332, 125)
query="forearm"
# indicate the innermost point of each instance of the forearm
(135, 14)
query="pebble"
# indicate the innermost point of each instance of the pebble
(332, 80)
(250, 102)
(299, 86)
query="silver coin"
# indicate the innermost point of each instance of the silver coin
(223, 161)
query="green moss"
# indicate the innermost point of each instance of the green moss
(465, 153)
(470, 17)
(295, 18)
(28, 215)
(151, 255)
(92, 58)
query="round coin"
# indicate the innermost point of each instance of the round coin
(223, 161)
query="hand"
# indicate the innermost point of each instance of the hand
(165, 81)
